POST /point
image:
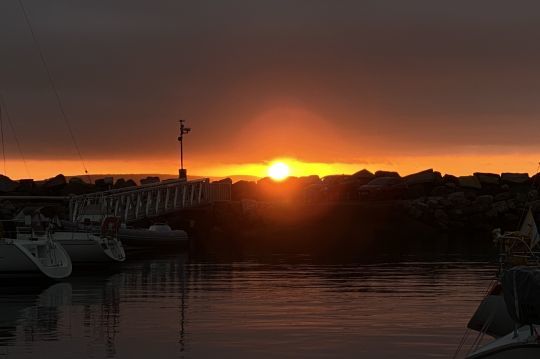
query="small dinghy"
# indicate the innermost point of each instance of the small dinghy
(28, 251)
(158, 233)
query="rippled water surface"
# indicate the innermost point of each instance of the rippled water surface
(178, 307)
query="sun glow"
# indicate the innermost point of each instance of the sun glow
(278, 171)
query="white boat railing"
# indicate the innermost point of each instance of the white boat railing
(134, 203)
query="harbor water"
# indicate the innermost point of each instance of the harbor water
(179, 307)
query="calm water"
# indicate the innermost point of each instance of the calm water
(175, 307)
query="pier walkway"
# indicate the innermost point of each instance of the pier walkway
(152, 200)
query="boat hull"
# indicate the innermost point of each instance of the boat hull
(145, 237)
(521, 351)
(34, 258)
(88, 248)
(524, 345)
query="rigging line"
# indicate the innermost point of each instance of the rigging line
(52, 84)
(2, 138)
(15, 137)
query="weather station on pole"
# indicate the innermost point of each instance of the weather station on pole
(182, 173)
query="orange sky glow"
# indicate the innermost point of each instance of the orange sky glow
(457, 165)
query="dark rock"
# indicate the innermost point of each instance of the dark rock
(484, 201)
(469, 182)
(244, 190)
(536, 179)
(120, 183)
(488, 178)
(76, 180)
(383, 182)
(441, 191)
(492, 213)
(457, 199)
(334, 179)
(450, 179)
(7, 185)
(150, 180)
(441, 217)
(386, 174)
(500, 206)
(363, 174)
(417, 190)
(383, 188)
(26, 185)
(503, 196)
(224, 180)
(535, 205)
(423, 177)
(130, 183)
(309, 180)
(55, 182)
(100, 184)
(515, 178)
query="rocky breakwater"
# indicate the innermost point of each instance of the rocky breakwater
(58, 186)
(482, 201)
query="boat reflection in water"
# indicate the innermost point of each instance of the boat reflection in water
(176, 307)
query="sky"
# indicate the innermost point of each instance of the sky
(329, 86)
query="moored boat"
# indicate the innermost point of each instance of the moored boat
(29, 252)
(84, 243)
(156, 234)
(90, 244)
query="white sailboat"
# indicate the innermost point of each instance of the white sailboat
(84, 244)
(28, 251)
(90, 244)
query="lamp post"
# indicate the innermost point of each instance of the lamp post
(182, 173)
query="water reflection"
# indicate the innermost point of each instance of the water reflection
(174, 307)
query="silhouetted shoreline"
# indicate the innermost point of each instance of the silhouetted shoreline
(361, 212)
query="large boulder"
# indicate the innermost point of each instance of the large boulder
(7, 185)
(224, 181)
(244, 190)
(309, 180)
(386, 174)
(150, 180)
(447, 179)
(334, 179)
(458, 199)
(77, 180)
(363, 174)
(487, 178)
(120, 183)
(469, 182)
(26, 185)
(484, 200)
(55, 182)
(423, 177)
(515, 178)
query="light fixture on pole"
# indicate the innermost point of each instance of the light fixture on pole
(182, 173)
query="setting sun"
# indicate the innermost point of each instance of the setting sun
(278, 171)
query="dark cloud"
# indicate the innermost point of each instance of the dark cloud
(403, 75)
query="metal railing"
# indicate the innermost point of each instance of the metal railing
(134, 203)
